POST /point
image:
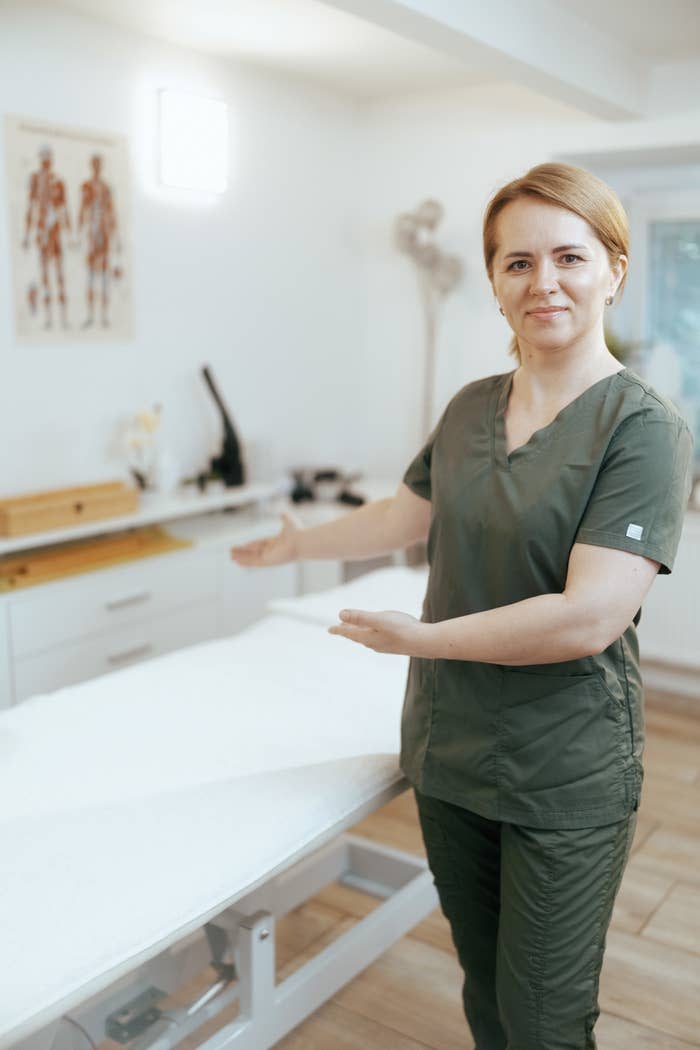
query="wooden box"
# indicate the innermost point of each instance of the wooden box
(59, 508)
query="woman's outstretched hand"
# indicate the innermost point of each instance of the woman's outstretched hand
(385, 632)
(275, 550)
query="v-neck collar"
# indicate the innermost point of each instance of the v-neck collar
(539, 438)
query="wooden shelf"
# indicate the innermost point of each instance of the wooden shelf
(154, 508)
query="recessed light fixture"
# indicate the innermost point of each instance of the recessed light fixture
(193, 142)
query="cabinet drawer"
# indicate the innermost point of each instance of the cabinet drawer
(108, 599)
(100, 654)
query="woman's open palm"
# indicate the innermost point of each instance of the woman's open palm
(274, 550)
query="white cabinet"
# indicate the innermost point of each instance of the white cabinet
(99, 654)
(669, 630)
(68, 630)
(103, 601)
(246, 592)
(58, 633)
(243, 592)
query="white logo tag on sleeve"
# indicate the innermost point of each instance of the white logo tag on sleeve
(634, 531)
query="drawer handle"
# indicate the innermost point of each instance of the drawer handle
(130, 654)
(132, 599)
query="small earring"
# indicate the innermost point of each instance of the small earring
(501, 309)
(609, 301)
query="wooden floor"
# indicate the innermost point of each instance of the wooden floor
(650, 984)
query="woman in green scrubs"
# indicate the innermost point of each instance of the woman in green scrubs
(553, 495)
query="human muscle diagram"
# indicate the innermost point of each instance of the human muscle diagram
(68, 191)
(97, 219)
(47, 217)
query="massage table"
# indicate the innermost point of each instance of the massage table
(161, 817)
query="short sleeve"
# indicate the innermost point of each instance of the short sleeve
(417, 474)
(641, 493)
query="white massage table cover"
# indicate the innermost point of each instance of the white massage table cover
(136, 805)
(395, 587)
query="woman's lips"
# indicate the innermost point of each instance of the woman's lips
(548, 313)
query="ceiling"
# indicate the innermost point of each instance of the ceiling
(303, 37)
(321, 41)
(658, 30)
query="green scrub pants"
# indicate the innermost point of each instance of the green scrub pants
(529, 910)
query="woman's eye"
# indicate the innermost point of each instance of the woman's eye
(569, 256)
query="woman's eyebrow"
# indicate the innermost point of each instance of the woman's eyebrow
(561, 248)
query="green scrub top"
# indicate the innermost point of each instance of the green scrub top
(555, 745)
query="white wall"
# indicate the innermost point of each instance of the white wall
(674, 87)
(263, 283)
(458, 147)
(289, 285)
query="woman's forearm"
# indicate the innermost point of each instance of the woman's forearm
(362, 533)
(545, 629)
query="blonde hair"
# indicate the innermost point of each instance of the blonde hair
(568, 187)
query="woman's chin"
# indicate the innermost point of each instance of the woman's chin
(545, 343)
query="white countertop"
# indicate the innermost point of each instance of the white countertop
(257, 505)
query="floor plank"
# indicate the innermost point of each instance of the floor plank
(673, 758)
(302, 928)
(413, 989)
(672, 850)
(434, 929)
(334, 1027)
(677, 920)
(617, 1033)
(644, 828)
(652, 984)
(673, 723)
(641, 893)
(667, 801)
(399, 834)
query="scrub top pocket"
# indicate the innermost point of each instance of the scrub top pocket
(564, 743)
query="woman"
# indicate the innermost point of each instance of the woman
(551, 496)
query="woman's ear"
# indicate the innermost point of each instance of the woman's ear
(620, 268)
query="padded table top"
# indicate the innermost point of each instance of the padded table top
(137, 805)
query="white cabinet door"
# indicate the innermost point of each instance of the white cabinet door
(108, 599)
(319, 575)
(100, 654)
(246, 591)
(669, 629)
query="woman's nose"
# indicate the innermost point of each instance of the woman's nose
(543, 278)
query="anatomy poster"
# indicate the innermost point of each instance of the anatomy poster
(69, 233)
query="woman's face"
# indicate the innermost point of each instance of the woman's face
(549, 257)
